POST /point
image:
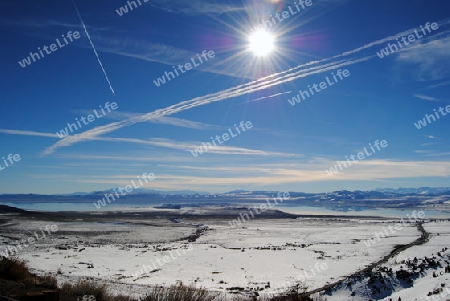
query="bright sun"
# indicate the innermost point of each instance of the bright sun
(261, 43)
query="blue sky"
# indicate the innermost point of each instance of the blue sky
(154, 128)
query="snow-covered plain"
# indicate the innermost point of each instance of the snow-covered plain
(424, 287)
(264, 255)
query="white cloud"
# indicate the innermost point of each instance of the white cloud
(219, 149)
(431, 59)
(193, 7)
(166, 54)
(302, 173)
(28, 133)
(266, 97)
(165, 143)
(135, 48)
(445, 83)
(425, 97)
(167, 120)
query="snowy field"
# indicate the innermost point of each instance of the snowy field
(431, 284)
(264, 255)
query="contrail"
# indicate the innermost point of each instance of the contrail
(265, 97)
(199, 101)
(93, 47)
(300, 71)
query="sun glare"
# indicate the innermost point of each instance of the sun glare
(261, 43)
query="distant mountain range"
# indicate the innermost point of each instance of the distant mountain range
(420, 190)
(376, 192)
(431, 198)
